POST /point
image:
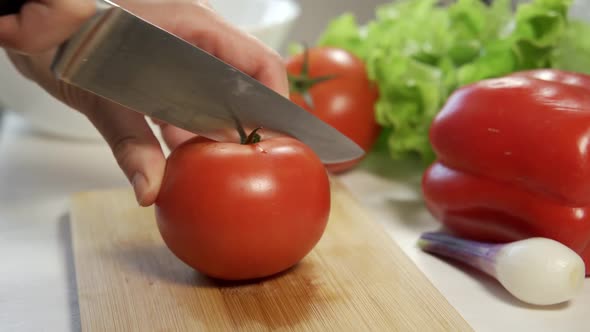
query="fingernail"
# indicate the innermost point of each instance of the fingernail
(140, 186)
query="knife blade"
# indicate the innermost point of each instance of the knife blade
(129, 61)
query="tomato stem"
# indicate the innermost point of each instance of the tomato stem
(302, 83)
(253, 138)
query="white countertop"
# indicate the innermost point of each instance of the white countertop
(37, 288)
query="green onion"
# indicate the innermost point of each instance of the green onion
(538, 271)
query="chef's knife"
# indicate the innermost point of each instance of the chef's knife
(123, 58)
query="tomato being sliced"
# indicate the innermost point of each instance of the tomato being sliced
(332, 84)
(243, 211)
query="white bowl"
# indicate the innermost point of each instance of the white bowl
(268, 20)
(580, 9)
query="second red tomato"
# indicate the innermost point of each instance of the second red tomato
(333, 84)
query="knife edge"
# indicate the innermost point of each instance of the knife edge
(78, 63)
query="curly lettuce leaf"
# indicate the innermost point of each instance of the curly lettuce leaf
(345, 32)
(573, 51)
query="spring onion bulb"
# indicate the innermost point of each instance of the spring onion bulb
(537, 271)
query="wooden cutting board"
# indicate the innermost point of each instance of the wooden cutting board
(356, 279)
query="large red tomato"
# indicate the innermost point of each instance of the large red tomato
(243, 211)
(333, 84)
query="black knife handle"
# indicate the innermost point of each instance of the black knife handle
(8, 7)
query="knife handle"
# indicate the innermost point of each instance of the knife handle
(8, 7)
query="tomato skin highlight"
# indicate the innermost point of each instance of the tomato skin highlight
(235, 212)
(346, 101)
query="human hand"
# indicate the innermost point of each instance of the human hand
(32, 36)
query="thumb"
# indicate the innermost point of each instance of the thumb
(135, 147)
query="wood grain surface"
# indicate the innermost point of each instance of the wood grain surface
(356, 279)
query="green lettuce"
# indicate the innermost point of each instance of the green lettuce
(419, 52)
(573, 50)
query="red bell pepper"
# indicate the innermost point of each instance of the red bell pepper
(514, 160)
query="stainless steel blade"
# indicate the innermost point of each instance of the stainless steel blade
(121, 57)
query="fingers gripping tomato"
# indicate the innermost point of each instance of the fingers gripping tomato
(332, 84)
(242, 211)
